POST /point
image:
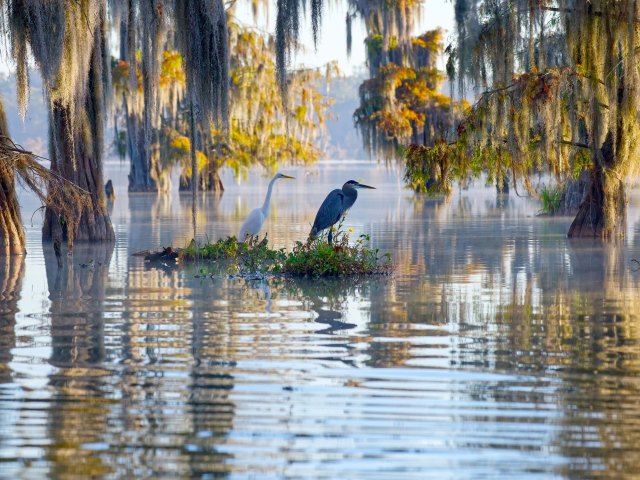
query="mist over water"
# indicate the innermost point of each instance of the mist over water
(499, 348)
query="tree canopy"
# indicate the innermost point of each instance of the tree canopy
(558, 93)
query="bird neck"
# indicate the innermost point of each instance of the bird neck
(351, 194)
(348, 189)
(267, 199)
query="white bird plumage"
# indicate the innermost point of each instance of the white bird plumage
(254, 221)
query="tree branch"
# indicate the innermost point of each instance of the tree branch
(575, 144)
(568, 10)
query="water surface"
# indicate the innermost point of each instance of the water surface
(498, 349)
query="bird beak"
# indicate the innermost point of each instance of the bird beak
(361, 185)
(287, 176)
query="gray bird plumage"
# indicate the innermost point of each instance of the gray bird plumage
(335, 206)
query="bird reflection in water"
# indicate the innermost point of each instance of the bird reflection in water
(326, 297)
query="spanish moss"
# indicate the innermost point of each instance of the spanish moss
(563, 97)
(202, 37)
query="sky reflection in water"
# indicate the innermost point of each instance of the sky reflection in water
(499, 348)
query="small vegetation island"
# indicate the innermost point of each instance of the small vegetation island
(314, 258)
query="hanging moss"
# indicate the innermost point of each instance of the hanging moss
(202, 37)
(144, 28)
(287, 30)
(40, 27)
(349, 34)
(553, 91)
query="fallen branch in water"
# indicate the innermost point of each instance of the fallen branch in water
(167, 253)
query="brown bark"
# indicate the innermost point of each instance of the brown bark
(76, 139)
(209, 180)
(144, 174)
(12, 241)
(603, 211)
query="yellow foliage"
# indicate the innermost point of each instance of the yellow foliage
(182, 143)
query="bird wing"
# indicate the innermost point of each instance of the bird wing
(252, 224)
(329, 212)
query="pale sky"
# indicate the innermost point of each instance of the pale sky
(332, 43)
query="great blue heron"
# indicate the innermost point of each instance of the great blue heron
(255, 219)
(334, 206)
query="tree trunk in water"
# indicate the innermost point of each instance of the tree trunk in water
(194, 164)
(76, 139)
(11, 233)
(502, 186)
(12, 240)
(575, 193)
(603, 210)
(142, 177)
(209, 180)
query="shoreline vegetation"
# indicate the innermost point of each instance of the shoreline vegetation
(314, 258)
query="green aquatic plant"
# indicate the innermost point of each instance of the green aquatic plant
(315, 258)
(250, 257)
(551, 198)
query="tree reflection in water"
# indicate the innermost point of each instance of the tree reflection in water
(80, 404)
(11, 274)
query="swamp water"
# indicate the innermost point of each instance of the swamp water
(498, 349)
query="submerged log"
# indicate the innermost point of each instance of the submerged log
(167, 253)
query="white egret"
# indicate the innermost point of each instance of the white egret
(255, 219)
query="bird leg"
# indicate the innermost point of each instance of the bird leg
(330, 236)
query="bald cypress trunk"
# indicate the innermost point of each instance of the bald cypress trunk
(142, 177)
(602, 213)
(209, 181)
(12, 240)
(76, 140)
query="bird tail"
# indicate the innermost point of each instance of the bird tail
(314, 233)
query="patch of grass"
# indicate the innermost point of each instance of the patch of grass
(314, 258)
(250, 257)
(318, 259)
(551, 200)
